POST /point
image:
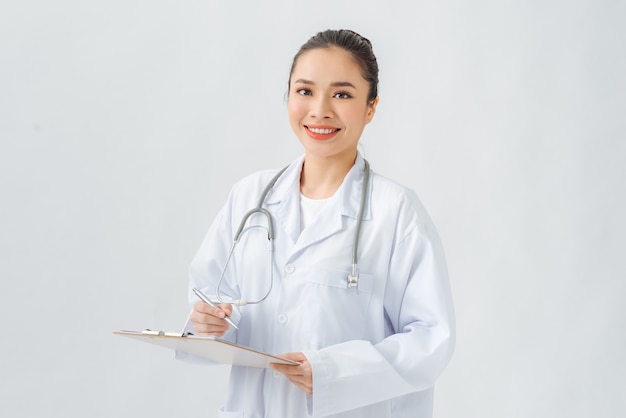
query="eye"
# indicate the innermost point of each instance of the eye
(303, 92)
(342, 95)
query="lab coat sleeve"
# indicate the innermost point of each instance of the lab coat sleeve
(206, 268)
(418, 305)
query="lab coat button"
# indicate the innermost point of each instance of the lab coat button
(282, 318)
(290, 268)
(276, 373)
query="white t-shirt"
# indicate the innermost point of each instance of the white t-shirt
(309, 209)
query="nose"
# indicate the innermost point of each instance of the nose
(321, 107)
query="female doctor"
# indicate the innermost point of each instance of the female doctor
(356, 287)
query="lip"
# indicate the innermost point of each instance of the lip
(320, 136)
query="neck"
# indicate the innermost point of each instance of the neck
(321, 177)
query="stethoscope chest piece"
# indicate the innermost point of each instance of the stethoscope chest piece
(353, 280)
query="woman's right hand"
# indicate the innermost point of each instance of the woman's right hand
(208, 320)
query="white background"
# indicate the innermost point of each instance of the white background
(123, 125)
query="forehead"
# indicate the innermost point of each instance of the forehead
(327, 64)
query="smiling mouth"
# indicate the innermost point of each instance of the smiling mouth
(322, 131)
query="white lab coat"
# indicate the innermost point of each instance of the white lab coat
(374, 353)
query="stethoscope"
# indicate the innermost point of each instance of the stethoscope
(353, 276)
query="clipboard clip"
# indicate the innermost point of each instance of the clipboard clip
(148, 331)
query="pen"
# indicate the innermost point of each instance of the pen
(206, 300)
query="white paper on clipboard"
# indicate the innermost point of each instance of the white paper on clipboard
(211, 348)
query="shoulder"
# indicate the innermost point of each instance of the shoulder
(397, 201)
(258, 179)
(391, 192)
(247, 190)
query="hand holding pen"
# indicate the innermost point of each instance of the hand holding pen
(210, 319)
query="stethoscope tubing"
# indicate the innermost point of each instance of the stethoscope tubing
(352, 278)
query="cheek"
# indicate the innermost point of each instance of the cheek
(356, 118)
(294, 116)
(295, 111)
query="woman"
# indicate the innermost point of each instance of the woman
(370, 346)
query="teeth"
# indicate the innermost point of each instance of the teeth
(322, 131)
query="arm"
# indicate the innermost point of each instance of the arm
(205, 268)
(418, 308)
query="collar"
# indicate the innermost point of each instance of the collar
(287, 187)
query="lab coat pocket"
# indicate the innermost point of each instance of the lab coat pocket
(335, 313)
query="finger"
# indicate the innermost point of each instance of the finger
(291, 369)
(205, 308)
(294, 375)
(299, 357)
(210, 329)
(300, 375)
(227, 308)
(208, 323)
(301, 383)
(204, 318)
(221, 311)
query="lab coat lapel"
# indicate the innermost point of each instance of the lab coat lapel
(287, 215)
(327, 223)
(284, 202)
(344, 204)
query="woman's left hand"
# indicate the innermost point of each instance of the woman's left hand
(300, 375)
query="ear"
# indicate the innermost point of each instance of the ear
(371, 110)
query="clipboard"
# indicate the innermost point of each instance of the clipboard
(208, 347)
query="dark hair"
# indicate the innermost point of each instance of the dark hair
(358, 46)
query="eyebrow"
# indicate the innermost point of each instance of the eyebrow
(335, 84)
